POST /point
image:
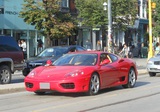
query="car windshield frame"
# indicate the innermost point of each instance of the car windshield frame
(88, 59)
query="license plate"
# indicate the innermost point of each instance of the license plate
(44, 85)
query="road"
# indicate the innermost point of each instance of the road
(143, 98)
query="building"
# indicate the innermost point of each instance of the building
(140, 30)
(14, 26)
(11, 24)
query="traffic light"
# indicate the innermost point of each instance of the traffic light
(153, 5)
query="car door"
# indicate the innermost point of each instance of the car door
(108, 72)
(122, 67)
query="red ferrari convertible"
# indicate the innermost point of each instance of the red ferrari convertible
(86, 71)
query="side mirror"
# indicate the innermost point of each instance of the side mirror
(121, 60)
(48, 63)
(106, 61)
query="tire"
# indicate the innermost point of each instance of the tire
(131, 79)
(5, 74)
(94, 85)
(152, 74)
(40, 93)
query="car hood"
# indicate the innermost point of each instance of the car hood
(59, 72)
(156, 58)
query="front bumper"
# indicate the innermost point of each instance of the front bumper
(153, 68)
(63, 86)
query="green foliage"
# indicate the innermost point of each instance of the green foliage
(123, 13)
(48, 18)
(156, 19)
(92, 12)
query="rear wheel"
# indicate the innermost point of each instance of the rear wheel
(131, 79)
(94, 84)
(5, 74)
(151, 74)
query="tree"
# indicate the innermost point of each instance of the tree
(91, 12)
(156, 19)
(47, 17)
(123, 13)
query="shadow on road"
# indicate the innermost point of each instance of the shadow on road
(17, 81)
(139, 83)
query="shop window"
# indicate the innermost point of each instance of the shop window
(65, 3)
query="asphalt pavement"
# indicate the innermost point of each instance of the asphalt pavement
(17, 83)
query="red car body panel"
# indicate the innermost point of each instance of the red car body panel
(55, 76)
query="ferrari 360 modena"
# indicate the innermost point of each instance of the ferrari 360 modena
(86, 71)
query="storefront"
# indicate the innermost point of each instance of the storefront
(12, 25)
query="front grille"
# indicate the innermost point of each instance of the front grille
(29, 85)
(154, 69)
(68, 85)
(157, 62)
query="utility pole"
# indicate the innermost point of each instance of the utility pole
(110, 43)
(152, 5)
(109, 37)
(150, 53)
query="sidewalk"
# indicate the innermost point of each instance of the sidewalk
(141, 65)
(17, 87)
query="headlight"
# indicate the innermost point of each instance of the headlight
(75, 73)
(150, 62)
(31, 74)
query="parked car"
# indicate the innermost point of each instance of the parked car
(11, 58)
(153, 65)
(86, 71)
(51, 53)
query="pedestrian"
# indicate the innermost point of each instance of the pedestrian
(88, 45)
(98, 47)
(139, 49)
(24, 48)
(19, 44)
(144, 51)
(157, 49)
(120, 46)
(154, 46)
(40, 45)
(124, 51)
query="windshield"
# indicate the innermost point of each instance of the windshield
(77, 59)
(53, 52)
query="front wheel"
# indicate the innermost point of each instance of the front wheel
(94, 84)
(5, 74)
(131, 79)
(151, 74)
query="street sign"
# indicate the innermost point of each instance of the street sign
(96, 29)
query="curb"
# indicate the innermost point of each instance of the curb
(12, 88)
(142, 72)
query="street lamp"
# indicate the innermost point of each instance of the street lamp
(105, 5)
(109, 25)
